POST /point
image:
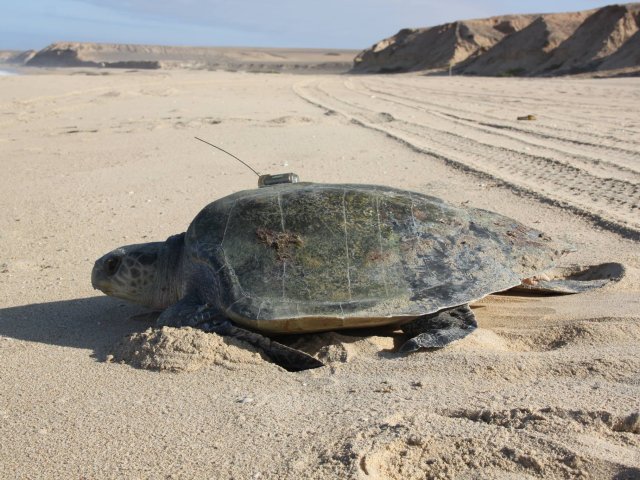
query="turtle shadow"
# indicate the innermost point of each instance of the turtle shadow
(94, 323)
(98, 323)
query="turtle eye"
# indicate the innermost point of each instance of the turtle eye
(111, 265)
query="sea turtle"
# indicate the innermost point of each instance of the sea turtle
(311, 257)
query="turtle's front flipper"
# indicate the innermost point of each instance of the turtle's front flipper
(208, 318)
(439, 329)
(576, 279)
(181, 314)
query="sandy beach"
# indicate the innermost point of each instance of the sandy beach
(547, 387)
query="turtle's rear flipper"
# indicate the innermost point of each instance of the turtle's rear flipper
(439, 329)
(576, 279)
(288, 358)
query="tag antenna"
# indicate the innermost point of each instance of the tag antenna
(230, 154)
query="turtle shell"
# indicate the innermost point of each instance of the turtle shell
(310, 257)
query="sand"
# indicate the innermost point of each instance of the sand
(548, 387)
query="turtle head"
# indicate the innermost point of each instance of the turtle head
(147, 273)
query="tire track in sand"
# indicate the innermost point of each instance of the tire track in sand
(615, 127)
(625, 165)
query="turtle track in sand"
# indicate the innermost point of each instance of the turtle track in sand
(549, 141)
(516, 443)
(597, 176)
(541, 438)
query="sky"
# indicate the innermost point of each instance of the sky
(354, 24)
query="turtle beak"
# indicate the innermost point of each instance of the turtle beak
(103, 270)
(97, 276)
(94, 277)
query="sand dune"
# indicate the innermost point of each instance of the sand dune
(517, 52)
(547, 387)
(13, 57)
(437, 47)
(600, 36)
(541, 44)
(74, 54)
(627, 54)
